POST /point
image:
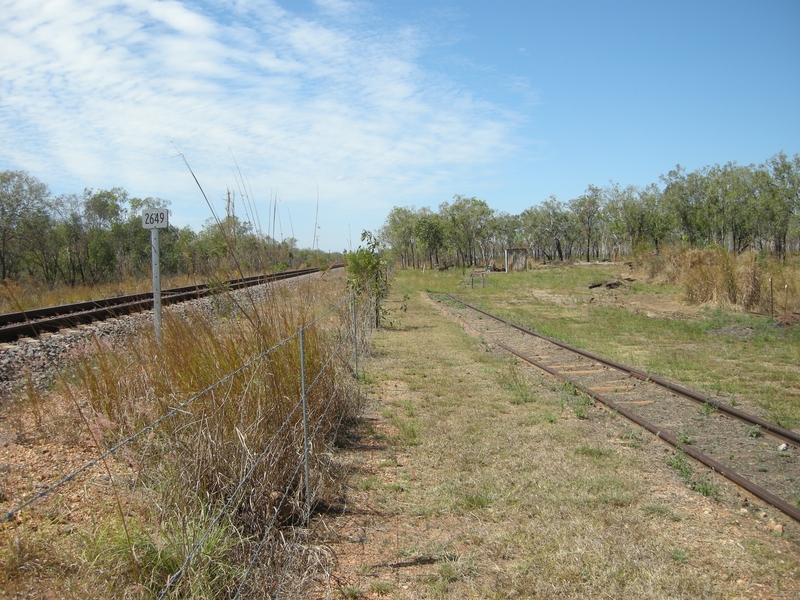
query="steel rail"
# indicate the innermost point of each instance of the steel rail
(54, 318)
(786, 435)
(733, 476)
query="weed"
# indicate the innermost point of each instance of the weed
(661, 511)
(514, 383)
(684, 437)
(160, 553)
(408, 432)
(476, 500)
(569, 389)
(707, 409)
(679, 556)
(681, 465)
(382, 588)
(369, 483)
(702, 485)
(365, 570)
(580, 411)
(350, 592)
(632, 438)
(754, 431)
(706, 487)
(593, 451)
(410, 410)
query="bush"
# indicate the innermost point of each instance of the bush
(719, 277)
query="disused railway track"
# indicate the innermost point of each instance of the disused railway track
(50, 319)
(716, 434)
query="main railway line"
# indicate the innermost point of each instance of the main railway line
(34, 322)
(759, 456)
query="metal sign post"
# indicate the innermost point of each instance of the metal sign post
(154, 220)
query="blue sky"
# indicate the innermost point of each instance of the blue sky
(381, 103)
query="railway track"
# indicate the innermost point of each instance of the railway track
(757, 455)
(43, 320)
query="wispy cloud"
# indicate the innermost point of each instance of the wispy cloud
(95, 92)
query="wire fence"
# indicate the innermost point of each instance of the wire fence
(334, 354)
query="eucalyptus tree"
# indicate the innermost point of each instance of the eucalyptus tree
(626, 217)
(532, 232)
(559, 227)
(506, 232)
(42, 242)
(587, 210)
(468, 220)
(686, 196)
(398, 232)
(659, 221)
(21, 194)
(430, 234)
(783, 201)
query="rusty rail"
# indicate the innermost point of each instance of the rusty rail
(50, 319)
(786, 435)
(714, 465)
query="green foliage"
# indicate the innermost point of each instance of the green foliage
(754, 431)
(733, 207)
(97, 237)
(149, 557)
(681, 465)
(367, 272)
(702, 485)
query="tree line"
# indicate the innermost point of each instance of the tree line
(97, 237)
(738, 208)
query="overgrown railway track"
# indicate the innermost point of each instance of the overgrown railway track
(759, 456)
(51, 319)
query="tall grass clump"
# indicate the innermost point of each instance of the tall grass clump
(723, 278)
(227, 464)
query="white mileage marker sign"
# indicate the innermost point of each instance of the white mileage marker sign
(155, 219)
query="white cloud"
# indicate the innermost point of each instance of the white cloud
(95, 92)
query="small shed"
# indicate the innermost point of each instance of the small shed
(516, 259)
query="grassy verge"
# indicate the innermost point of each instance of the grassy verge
(215, 491)
(513, 486)
(721, 351)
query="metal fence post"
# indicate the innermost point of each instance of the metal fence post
(305, 421)
(355, 337)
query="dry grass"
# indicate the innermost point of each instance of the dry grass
(216, 482)
(17, 296)
(510, 495)
(725, 279)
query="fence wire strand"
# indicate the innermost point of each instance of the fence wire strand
(178, 409)
(360, 315)
(174, 578)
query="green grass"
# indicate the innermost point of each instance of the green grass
(547, 505)
(715, 350)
